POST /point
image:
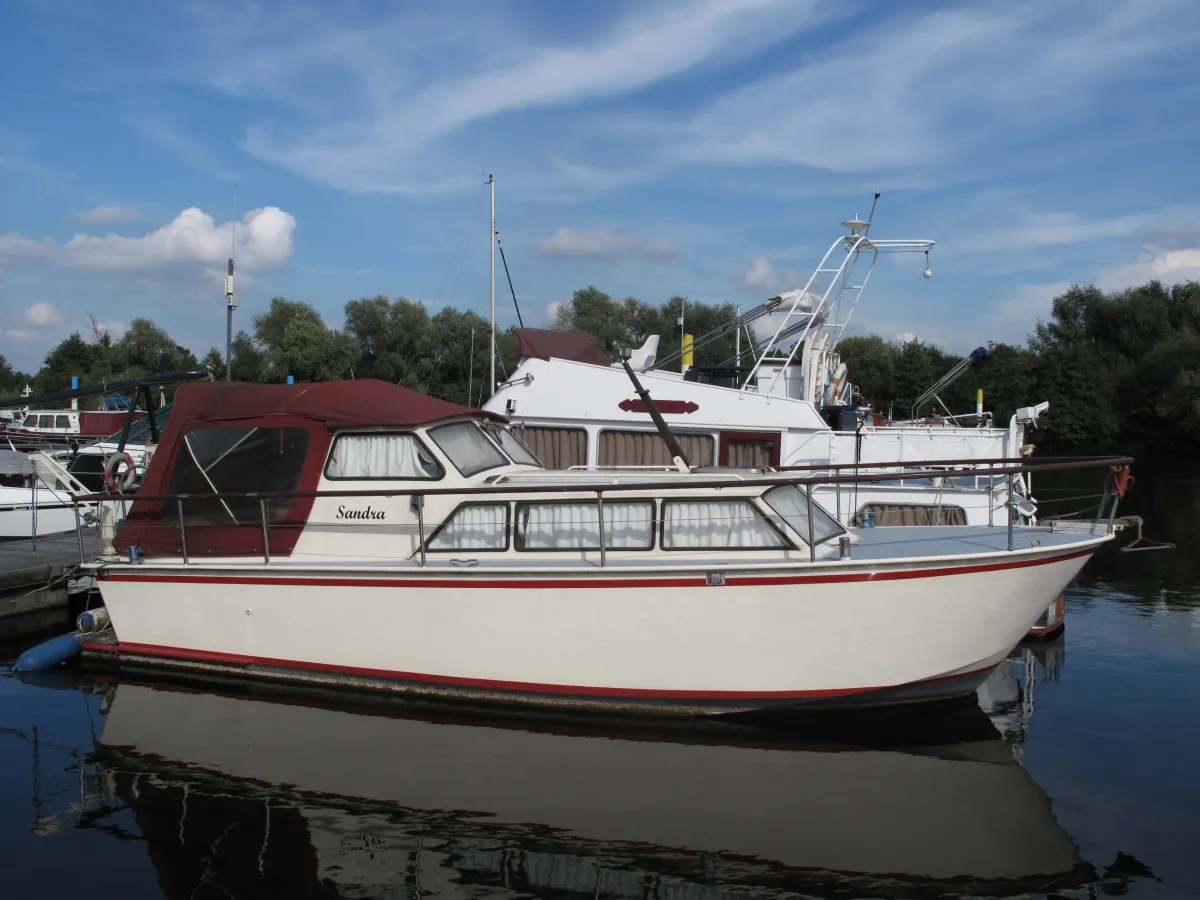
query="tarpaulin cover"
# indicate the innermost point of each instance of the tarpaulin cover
(577, 346)
(285, 412)
(339, 404)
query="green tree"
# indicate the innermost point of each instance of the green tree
(146, 349)
(294, 340)
(394, 339)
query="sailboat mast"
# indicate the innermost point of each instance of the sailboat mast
(492, 240)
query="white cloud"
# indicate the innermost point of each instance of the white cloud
(41, 314)
(1012, 320)
(99, 215)
(1167, 266)
(264, 241)
(917, 89)
(402, 106)
(760, 275)
(552, 309)
(606, 244)
(20, 334)
(113, 329)
(904, 337)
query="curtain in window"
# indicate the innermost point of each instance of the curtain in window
(911, 514)
(750, 454)
(646, 448)
(474, 528)
(380, 456)
(573, 526)
(557, 448)
(730, 524)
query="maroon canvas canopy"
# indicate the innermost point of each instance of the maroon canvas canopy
(338, 404)
(577, 346)
(294, 418)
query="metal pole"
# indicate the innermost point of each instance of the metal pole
(737, 341)
(421, 525)
(78, 530)
(262, 509)
(492, 242)
(600, 513)
(812, 550)
(182, 531)
(1010, 513)
(229, 338)
(33, 514)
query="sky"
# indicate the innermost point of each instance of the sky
(709, 148)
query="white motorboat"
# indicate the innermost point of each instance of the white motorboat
(310, 799)
(363, 535)
(791, 405)
(35, 498)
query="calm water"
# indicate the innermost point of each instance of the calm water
(1077, 774)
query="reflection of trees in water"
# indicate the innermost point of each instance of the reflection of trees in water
(1154, 580)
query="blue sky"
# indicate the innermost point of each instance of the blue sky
(702, 147)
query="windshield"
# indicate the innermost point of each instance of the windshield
(466, 447)
(791, 505)
(512, 445)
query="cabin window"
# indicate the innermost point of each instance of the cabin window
(912, 514)
(557, 448)
(467, 448)
(717, 525)
(393, 456)
(511, 444)
(237, 460)
(647, 448)
(791, 504)
(575, 525)
(473, 526)
(62, 422)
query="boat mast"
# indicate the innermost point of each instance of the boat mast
(492, 241)
(230, 301)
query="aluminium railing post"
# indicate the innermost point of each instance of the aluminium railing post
(1009, 506)
(812, 550)
(78, 529)
(600, 516)
(33, 515)
(262, 512)
(420, 498)
(182, 530)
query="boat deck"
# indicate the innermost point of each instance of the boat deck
(883, 544)
(959, 540)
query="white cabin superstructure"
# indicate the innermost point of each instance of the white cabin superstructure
(795, 405)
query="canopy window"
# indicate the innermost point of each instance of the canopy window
(557, 448)
(237, 460)
(647, 448)
(628, 525)
(791, 504)
(912, 514)
(381, 456)
(511, 444)
(717, 525)
(467, 448)
(473, 526)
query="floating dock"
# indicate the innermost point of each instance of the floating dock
(35, 583)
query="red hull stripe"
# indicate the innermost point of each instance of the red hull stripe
(463, 580)
(525, 687)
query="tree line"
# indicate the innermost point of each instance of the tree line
(1121, 370)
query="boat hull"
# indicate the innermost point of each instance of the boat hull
(835, 636)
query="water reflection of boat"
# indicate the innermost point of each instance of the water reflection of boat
(1008, 695)
(258, 798)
